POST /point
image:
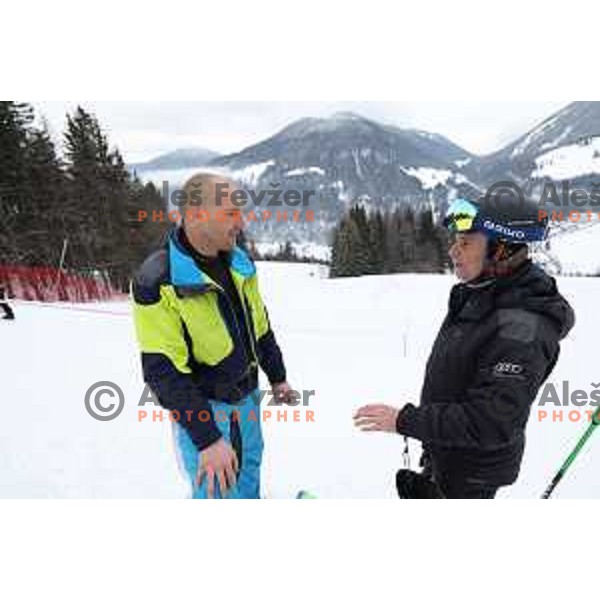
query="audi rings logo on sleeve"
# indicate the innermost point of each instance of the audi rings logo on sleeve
(507, 368)
(105, 401)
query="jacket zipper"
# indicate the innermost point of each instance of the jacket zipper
(251, 363)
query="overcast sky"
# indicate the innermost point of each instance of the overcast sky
(143, 130)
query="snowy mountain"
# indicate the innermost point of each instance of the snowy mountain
(348, 158)
(565, 146)
(175, 167)
(564, 150)
(184, 158)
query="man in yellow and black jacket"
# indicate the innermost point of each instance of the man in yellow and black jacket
(203, 332)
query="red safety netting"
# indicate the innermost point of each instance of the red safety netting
(47, 284)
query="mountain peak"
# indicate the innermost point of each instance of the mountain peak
(324, 125)
(346, 116)
(178, 159)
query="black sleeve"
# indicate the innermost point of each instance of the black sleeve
(271, 358)
(497, 404)
(177, 392)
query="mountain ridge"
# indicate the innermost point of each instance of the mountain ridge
(347, 158)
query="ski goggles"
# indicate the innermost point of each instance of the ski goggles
(465, 216)
(461, 216)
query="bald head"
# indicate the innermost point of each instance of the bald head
(212, 222)
(208, 187)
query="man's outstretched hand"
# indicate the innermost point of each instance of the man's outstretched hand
(283, 393)
(377, 417)
(219, 462)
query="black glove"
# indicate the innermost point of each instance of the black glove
(414, 486)
(425, 464)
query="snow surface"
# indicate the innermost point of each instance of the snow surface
(569, 162)
(579, 250)
(430, 178)
(558, 140)
(306, 171)
(251, 174)
(306, 250)
(353, 341)
(463, 162)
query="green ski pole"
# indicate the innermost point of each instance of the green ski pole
(582, 442)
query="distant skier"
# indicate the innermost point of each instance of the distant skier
(497, 346)
(9, 315)
(203, 331)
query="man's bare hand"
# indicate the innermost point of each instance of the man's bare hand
(377, 417)
(283, 393)
(219, 462)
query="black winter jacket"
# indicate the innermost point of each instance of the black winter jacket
(496, 347)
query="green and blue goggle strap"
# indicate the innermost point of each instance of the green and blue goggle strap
(461, 216)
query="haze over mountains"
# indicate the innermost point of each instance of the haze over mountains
(347, 158)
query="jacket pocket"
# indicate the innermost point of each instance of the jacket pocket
(210, 338)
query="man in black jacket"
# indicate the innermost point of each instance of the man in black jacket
(9, 315)
(497, 346)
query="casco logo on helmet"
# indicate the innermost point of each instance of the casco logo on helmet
(501, 229)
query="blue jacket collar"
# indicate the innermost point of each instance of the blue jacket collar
(185, 272)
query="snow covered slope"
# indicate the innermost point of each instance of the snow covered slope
(351, 341)
(578, 248)
(569, 162)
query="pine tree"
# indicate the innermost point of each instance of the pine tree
(82, 171)
(361, 233)
(343, 254)
(350, 257)
(46, 194)
(138, 235)
(394, 249)
(408, 240)
(15, 122)
(288, 254)
(434, 239)
(376, 244)
(99, 187)
(89, 200)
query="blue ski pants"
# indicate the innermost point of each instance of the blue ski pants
(244, 432)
